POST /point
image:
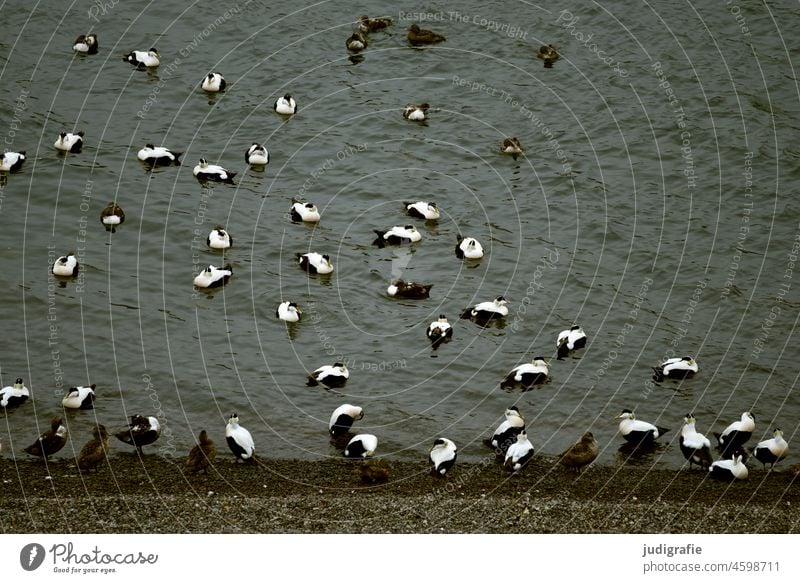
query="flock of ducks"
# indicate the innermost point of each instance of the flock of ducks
(510, 441)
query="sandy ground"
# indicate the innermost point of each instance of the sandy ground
(130, 494)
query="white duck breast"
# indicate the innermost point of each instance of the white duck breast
(305, 212)
(79, 398)
(332, 376)
(488, 310)
(695, 447)
(14, 395)
(637, 431)
(469, 248)
(257, 155)
(11, 161)
(361, 446)
(416, 112)
(398, 236)
(729, 469)
(675, 368)
(86, 44)
(66, 266)
(507, 431)
(142, 59)
(519, 453)
(443, 456)
(736, 434)
(315, 263)
(213, 277)
(206, 171)
(423, 210)
(112, 215)
(158, 155)
(285, 105)
(69, 142)
(528, 374)
(342, 419)
(288, 312)
(213, 83)
(569, 340)
(771, 451)
(356, 42)
(219, 238)
(239, 439)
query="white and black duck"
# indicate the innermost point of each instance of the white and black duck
(239, 440)
(14, 395)
(12, 161)
(305, 212)
(468, 248)
(527, 375)
(695, 446)
(342, 419)
(206, 171)
(288, 312)
(315, 263)
(79, 398)
(361, 446)
(442, 456)
(409, 290)
(771, 451)
(257, 155)
(219, 239)
(636, 431)
(143, 59)
(86, 43)
(397, 236)
(332, 376)
(141, 431)
(569, 340)
(69, 142)
(158, 156)
(519, 453)
(675, 368)
(735, 435)
(423, 210)
(213, 277)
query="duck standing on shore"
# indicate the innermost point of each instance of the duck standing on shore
(771, 451)
(520, 453)
(51, 441)
(442, 456)
(695, 446)
(140, 431)
(361, 446)
(729, 469)
(239, 440)
(95, 450)
(735, 435)
(582, 453)
(201, 455)
(506, 434)
(342, 419)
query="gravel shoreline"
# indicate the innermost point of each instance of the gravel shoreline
(153, 494)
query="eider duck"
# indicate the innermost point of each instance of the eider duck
(257, 155)
(443, 456)
(214, 83)
(409, 290)
(637, 431)
(519, 453)
(79, 398)
(213, 277)
(206, 171)
(423, 210)
(506, 433)
(367, 24)
(581, 453)
(487, 310)
(675, 368)
(51, 441)
(342, 419)
(201, 455)
(66, 266)
(548, 54)
(331, 376)
(735, 435)
(69, 142)
(729, 469)
(143, 59)
(86, 43)
(112, 216)
(695, 446)
(569, 340)
(374, 472)
(771, 451)
(288, 312)
(356, 43)
(12, 161)
(511, 146)
(14, 395)
(420, 36)
(305, 212)
(159, 155)
(413, 112)
(140, 431)
(468, 248)
(219, 238)
(285, 105)
(439, 331)
(239, 440)
(529, 374)
(95, 450)
(397, 236)
(361, 446)
(315, 263)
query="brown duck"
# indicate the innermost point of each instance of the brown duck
(50, 441)
(202, 454)
(581, 453)
(367, 24)
(94, 452)
(420, 36)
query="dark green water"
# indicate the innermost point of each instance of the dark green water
(656, 205)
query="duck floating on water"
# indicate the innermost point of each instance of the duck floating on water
(528, 374)
(423, 210)
(288, 312)
(214, 83)
(315, 263)
(86, 43)
(214, 172)
(367, 24)
(342, 419)
(332, 376)
(12, 161)
(414, 112)
(569, 340)
(397, 236)
(420, 36)
(356, 42)
(439, 332)
(69, 142)
(285, 105)
(14, 395)
(143, 59)
(112, 216)
(66, 266)
(484, 311)
(257, 155)
(675, 368)
(79, 398)
(213, 277)
(409, 290)
(548, 54)
(637, 431)
(158, 156)
(305, 212)
(219, 239)
(468, 248)
(511, 146)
